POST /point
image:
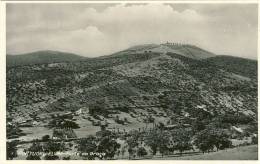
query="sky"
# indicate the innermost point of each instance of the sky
(101, 29)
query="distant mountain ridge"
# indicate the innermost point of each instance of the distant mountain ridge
(48, 56)
(42, 57)
(186, 50)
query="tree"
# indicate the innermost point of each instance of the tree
(204, 141)
(68, 124)
(45, 138)
(51, 148)
(98, 108)
(141, 152)
(63, 128)
(108, 146)
(133, 138)
(51, 157)
(221, 139)
(132, 142)
(66, 158)
(34, 151)
(11, 151)
(55, 123)
(13, 131)
(131, 152)
(163, 148)
(198, 125)
(161, 126)
(123, 150)
(87, 145)
(182, 140)
(254, 140)
(157, 139)
(63, 124)
(210, 137)
(117, 118)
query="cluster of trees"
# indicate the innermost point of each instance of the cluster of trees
(237, 119)
(121, 121)
(158, 140)
(207, 139)
(99, 76)
(132, 142)
(13, 131)
(63, 124)
(98, 109)
(37, 150)
(106, 147)
(210, 134)
(48, 150)
(102, 148)
(148, 84)
(11, 150)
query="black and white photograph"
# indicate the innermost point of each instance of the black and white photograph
(131, 81)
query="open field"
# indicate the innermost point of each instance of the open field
(34, 133)
(238, 153)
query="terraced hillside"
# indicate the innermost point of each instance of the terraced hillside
(161, 81)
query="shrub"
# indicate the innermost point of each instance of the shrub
(254, 140)
(141, 152)
(51, 157)
(45, 138)
(66, 158)
(11, 150)
(87, 145)
(108, 146)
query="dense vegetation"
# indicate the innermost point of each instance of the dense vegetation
(205, 101)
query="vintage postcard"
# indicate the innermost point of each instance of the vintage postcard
(146, 80)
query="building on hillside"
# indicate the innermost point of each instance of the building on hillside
(35, 123)
(103, 125)
(239, 130)
(170, 127)
(236, 132)
(82, 110)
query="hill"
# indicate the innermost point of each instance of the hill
(41, 57)
(241, 66)
(185, 50)
(148, 80)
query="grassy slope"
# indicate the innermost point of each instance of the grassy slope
(240, 66)
(238, 153)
